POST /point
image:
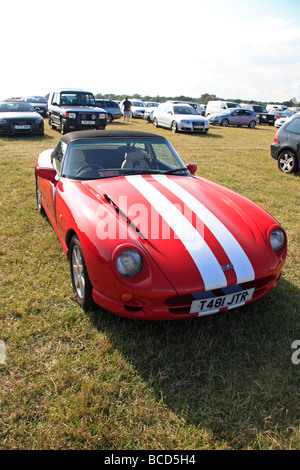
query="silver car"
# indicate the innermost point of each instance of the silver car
(234, 117)
(180, 117)
(138, 108)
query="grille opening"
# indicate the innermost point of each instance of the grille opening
(131, 308)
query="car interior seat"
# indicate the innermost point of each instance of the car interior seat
(136, 160)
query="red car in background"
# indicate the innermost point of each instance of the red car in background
(148, 239)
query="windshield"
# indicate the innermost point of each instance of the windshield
(259, 109)
(37, 99)
(16, 107)
(77, 99)
(105, 158)
(138, 104)
(185, 110)
(233, 105)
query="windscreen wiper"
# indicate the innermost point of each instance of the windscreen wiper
(169, 172)
(140, 172)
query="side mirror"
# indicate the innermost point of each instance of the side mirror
(192, 167)
(46, 173)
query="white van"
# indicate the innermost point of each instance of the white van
(277, 107)
(217, 106)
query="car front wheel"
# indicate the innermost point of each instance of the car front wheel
(287, 162)
(38, 199)
(225, 123)
(155, 122)
(174, 126)
(80, 279)
(63, 128)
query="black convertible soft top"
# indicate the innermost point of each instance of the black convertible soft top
(90, 134)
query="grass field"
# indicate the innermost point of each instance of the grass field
(72, 380)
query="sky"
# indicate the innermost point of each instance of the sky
(234, 49)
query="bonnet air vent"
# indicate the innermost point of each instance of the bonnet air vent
(124, 216)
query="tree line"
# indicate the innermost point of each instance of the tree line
(203, 99)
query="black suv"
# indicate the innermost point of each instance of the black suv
(286, 146)
(264, 117)
(72, 110)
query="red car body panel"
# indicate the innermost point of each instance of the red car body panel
(225, 240)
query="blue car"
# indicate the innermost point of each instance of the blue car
(234, 117)
(111, 107)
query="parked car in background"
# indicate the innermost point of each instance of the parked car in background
(279, 107)
(234, 117)
(195, 105)
(39, 103)
(19, 117)
(179, 117)
(138, 108)
(74, 109)
(282, 114)
(151, 104)
(286, 146)
(264, 117)
(111, 107)
(150, 108)
(167, 263)
(278, 122)
(214, 107)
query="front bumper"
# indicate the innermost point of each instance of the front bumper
(137, 114)
(263, 119)
(192, 127)
(18, 127)
(84, 121)
(175, 307)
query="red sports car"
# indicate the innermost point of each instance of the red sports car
(145, 237)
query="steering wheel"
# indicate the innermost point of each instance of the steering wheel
(95, 166)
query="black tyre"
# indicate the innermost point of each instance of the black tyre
(174, 126)
(63, 128)
(252, 124)
(287, 162)
(225, 123)
(109, 118)
(80, 279)
(38, 199)
(155, 122)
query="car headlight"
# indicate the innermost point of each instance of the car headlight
(184, 121)
(129, 263)
(277, 239)
(102, 116)
(70, 115)
(3, 121)
(93, 116)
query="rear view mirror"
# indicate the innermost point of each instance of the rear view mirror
(46, 173)
(192, 167)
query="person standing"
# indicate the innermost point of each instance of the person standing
(126, 109)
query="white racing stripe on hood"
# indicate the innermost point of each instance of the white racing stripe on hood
(206, 262)
(242, 265)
